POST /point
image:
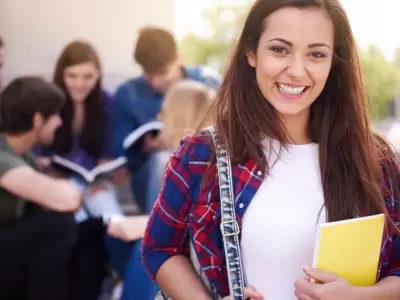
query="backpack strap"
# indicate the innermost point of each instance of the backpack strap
(229, 226)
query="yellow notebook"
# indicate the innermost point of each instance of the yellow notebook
(350, 248)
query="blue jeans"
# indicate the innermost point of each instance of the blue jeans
(147, 181)
(127, 261)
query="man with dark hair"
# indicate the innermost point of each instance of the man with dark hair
(139, 101)
(37, 230)
(1, 61)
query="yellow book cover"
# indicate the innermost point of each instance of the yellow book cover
(350, 248)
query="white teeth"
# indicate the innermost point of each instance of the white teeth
(291, 90)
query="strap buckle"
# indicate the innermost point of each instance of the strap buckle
(233, 224)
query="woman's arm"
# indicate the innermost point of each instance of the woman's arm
(179, 280)
(166, 244)
(387, 289)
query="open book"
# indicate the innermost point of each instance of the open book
(350, 248)
(136, 136)
(88, 175)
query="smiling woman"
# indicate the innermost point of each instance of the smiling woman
(292, 64)
(291, 113)
(84, 139)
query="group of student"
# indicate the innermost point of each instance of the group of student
(47, 249)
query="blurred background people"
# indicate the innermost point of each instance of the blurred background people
(84, 139)
(139, 101)
(37, 230)
(186, 102)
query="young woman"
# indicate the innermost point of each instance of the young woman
(83, 138)
(184, 106)
(292, 114)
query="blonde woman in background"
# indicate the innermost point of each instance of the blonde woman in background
(185, 104)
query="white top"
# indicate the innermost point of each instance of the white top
(279, 226)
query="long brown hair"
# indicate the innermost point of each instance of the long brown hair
(349, 152)
(93, 132)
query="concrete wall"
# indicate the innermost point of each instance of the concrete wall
(35, 31)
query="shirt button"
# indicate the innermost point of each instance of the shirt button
(259, 173)
(241, 205)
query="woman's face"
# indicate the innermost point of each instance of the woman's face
(293, 59)
(80, 80)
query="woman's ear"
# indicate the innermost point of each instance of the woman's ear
(251, 59)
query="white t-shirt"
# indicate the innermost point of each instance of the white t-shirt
(279, 226)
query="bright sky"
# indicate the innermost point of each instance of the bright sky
(373, 21)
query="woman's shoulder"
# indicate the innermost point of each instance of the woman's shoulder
(195, 148)
(189, 164)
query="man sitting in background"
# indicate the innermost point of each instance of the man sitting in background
(139, 101)
(37, 232)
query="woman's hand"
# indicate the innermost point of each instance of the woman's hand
(330, 287)
(249, 293)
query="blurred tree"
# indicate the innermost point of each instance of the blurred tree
(224, 24)
(381, 77)
(213, 49)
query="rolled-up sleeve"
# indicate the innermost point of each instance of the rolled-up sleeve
(167, 230)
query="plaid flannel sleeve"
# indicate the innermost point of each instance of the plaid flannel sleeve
(166, 232)
(394, 211)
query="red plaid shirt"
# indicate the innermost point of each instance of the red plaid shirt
(188, 208)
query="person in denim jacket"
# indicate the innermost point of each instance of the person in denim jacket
(139, 100)
(292, 113)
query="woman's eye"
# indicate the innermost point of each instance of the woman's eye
(318, 54)
(279, 49)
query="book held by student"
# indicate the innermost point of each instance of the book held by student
(136, 137)
(69, 167)
(350, 248)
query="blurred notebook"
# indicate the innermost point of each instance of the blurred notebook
(350, 248)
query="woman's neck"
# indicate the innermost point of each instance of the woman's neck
(297, 128)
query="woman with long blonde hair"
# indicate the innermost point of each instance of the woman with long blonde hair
(184, 107)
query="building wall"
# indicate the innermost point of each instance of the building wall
(35, 31)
